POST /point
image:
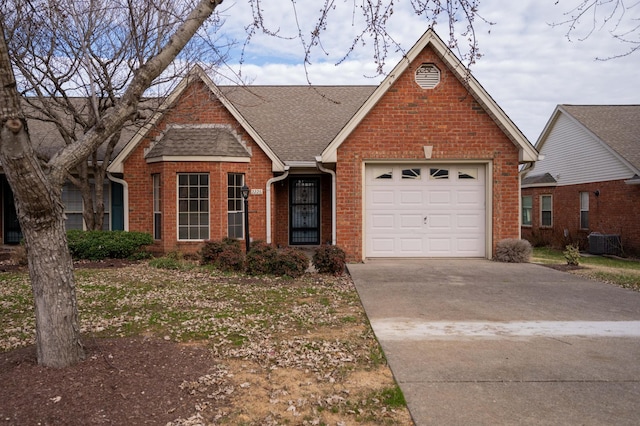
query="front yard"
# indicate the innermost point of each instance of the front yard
(196, 346)
(617, 271)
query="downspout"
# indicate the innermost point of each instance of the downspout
(268, 190)
(333, 198)
(125, 198)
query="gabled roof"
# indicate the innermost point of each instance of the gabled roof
(527, 152)
(617, 126)
(195, 142)
(197, 72)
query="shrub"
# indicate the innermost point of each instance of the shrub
(19, 255)
(329, 260)
(225, 255)
(262, 259)
(291, 262)
(513, 250)
(97, 245)
(572, 255)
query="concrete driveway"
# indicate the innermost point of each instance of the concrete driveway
(475, 342)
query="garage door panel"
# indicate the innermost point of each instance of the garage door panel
(411, 222)
(382, 221)
(470, 222)
(411, 198)
(382, 198)
(411, 246)
(425, 211)
(439, 222)
(439, 198)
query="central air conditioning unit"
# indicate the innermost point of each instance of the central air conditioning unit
(604, 243)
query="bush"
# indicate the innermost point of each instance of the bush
(291, 262)
(329, 260)
(225, 255)
(513, 250)
(262, 259)
(572, 255)
(98, 245)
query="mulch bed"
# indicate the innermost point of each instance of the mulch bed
(122, 381)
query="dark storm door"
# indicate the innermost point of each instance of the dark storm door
(11, 230)
(304, 211)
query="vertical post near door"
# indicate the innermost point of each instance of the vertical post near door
(245, 197)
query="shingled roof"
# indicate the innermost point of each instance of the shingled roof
(198, 141)
(297, 122)
(618, 126)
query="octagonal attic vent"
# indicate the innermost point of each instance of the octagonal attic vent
(427, 76)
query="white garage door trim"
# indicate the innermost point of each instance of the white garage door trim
(427, 209)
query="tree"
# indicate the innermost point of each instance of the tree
(37, 189)
(55, 66)
(73, 82)
(613, 16)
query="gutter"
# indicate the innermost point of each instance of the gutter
(125, 198)
(268, 191)
(333, 198)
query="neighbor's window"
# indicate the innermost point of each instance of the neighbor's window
(235, 202)
(157, 212)
(193, 206)
(584, 210)
(546, 212)
(527, 207)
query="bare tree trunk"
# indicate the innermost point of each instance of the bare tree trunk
(52, 281)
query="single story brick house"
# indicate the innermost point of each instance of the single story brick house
(585, 189)
(425, 164)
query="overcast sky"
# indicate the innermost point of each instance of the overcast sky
(528, 66)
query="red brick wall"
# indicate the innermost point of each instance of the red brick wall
(406, 119)
(613, 211)
(196, 106)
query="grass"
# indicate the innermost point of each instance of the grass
(621, 272)
(313, 325)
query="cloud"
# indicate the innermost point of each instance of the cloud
(528, 66)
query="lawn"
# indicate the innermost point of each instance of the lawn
(613, 270)
(235, 349)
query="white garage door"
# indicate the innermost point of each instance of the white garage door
(425, 210)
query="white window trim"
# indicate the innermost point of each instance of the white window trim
(178, 206)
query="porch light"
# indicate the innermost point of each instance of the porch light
(245, 195)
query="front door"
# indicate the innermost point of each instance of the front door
(304, 211)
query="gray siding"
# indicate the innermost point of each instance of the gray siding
(573, 156)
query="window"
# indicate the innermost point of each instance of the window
(72, 200)
(411, 174)
(387, 174)
(193, 206)
(546, 212)
(157, 212)
(235, 202)
(468, 174)
(439, 173)
(584, 210)
(74, 206)
(527, 207)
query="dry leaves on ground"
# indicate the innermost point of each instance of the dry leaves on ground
(200, 347)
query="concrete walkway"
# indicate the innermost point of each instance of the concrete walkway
(475, 342)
